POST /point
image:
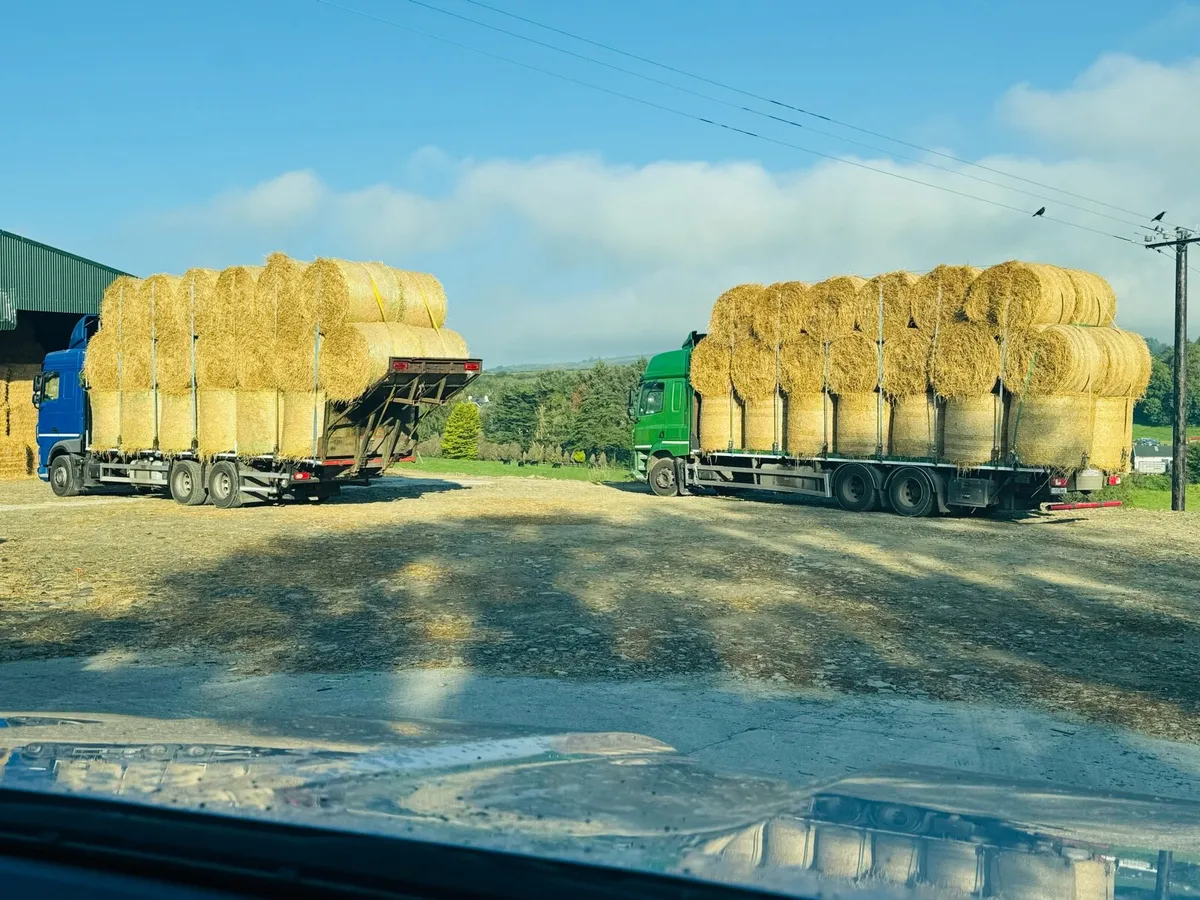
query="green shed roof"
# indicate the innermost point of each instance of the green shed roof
(35, 277)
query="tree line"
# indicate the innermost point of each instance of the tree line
(1158, 406)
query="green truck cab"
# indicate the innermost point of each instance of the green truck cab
(662, 411)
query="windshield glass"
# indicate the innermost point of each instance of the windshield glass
(738, 442)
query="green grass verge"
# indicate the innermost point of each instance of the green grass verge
(498, 469)
(1144, 492)
(1148, 498)
(1160, 433)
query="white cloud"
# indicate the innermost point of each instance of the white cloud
(570, 256)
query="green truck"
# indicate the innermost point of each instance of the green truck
(667, 454)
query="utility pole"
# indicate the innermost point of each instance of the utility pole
(1183, 237)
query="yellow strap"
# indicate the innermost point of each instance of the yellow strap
(432, 320)
(382, 314)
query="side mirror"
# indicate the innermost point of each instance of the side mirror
(631, 402)
(37, 388)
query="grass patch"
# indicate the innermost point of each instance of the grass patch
(498, 469)
(1149, 498)
(1160, 433)
(1144, 492)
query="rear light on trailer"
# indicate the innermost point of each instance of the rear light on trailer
(301, 476)
(470, 367)
(1114, 480)
(1058, 482)
(400, 365)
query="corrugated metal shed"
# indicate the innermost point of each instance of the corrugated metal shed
(37, 278)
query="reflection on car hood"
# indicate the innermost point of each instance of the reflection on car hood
(621, 799)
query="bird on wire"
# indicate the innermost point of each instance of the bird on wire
(1158, 218)
(1040, 212)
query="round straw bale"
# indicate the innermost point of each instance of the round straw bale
(341, 292)
(16, 458)
(965, 360)
(971, 430)
(216, 420)
(106, 419)
(278, 288)
(764, 423)
(100, 360)
(116, 295)
(808, 424)
(1112, 434)
(216, 361)
(356, 356)
(423, 299)
(173, 357)
(1095, 302)
(196, 286)
(832, 306)
(294, 364)
(157, 295)
(801, 365)
(856, 423)
(938, 295)
(710, 373)
(766, 317)
(795, 307)
(1018, 294)
(175, 429)
(138, 420)
(1125, 362)
(897, 288)
(1053, 431)
(917, 426)
(303, 412)
(1056, 359)
(753, 369)
(853, 364)
(257, 422)
(731, 312)
(720, 422)
(442, 343)
(906, 363)
(134, 370)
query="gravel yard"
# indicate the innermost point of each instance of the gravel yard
(1093, 614)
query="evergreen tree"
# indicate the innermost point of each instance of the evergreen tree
(514, 415)
(461, 440)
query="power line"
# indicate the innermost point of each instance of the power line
(766, 115)
(798, 109)
(713, 122)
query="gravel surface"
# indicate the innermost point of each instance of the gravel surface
(1091, 614)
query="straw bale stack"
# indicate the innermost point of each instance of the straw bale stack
(116, 298)
(753, 368)
(1095, 302)
(300, 412)
(937, 297)
(710, 368)
(794, 307)
(278, 289)
(802, 365)
(763, 423)
(808, 424)
(918, 426)
(1059, 359)
(338, 292)
(1112, 434)
(18, 415)
(766, 317)
(175, 424)
(216, 426)
(732, 311)
(965, 361)
(1053, 431)
(106, 418)
(720, 422)
(1018, 295)
(139, 420)
(971, 429)
(354, 357)
(897, 290)
(856, 424)
(853, 364)
(16, 458)
(257, 422)
(832, 307)
(906, 363)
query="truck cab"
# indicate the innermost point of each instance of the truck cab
(662, 408)
(60, 398)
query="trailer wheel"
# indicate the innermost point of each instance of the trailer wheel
(64, 476)
(662, 477)
(187, 483)
(854, 488)
(224, 485)
(911, 492)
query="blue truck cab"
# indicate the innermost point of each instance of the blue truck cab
(59, 395)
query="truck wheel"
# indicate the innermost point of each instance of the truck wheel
(662, 477)
(224, 485)
(64, 476)
(187, 483)
(854, 488)
(911, 493)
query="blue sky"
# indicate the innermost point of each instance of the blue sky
(156, 136)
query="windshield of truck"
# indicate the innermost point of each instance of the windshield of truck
(754, 444)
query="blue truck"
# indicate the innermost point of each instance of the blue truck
(358, 440)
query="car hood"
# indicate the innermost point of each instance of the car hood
(619, 799)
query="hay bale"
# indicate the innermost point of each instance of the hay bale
(1124, 365)
(832, 307)
(753, 369)
(763, 423)
(766, 317)
(1112, 434)
(135, 369)
(1057, 359)
(105, 408)
(918, 426)
(196, 286)
(710, 367)
(116, 296)
(423, 299)
(1095, 301)
(802, 365)
(100, 360)
(1017, 295)
(158, 296)
(356, 356)
(175, 425)
(795, 308)
(139, 420)
(853, 364)
(278, 289)
(22, 414)
(856, 424)
(965, 361)
(298, 411)
(173, 361)
(937, 297)
(216, 425)
(340, 292)
(17, 459)
(257, 422)
(897, 289)
(971, 430)
(906, 363)
(731, 312)
(808, 429)
(720, 422)
(1053, 431)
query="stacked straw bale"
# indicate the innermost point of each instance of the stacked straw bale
(711, 375)
(897, 290)
(254, 332)
(856, 424)
(918, 426)
(1018, 295)
(833, 307)
(20, 356)
(938, 296)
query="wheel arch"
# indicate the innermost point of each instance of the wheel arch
(938, 479)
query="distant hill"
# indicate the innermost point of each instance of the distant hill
(563, 366)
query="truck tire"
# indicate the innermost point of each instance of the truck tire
(224, 485)
(187, 483)
(64, 476)
(854, 488)
(911, 492)
(662, 477)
